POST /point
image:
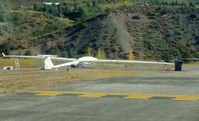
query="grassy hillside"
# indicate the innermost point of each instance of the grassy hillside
(24, 20)
(152, 33)
(31, 24)
(152, 29)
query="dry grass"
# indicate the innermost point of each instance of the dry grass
(25, 80)
(24, 63)
(192, 64)
(20, 81)
(134, 66)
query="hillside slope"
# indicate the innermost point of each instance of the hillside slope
(152, 33)
(155, 33)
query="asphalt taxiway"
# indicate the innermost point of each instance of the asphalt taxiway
(168, 96)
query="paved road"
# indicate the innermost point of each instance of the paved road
(105, 100)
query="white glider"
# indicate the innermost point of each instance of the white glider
(79, 62)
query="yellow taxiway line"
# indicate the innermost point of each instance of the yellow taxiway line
(177, 97)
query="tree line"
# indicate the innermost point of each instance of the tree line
(72, 10)
(168, 3)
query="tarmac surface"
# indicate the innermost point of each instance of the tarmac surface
(168, 96)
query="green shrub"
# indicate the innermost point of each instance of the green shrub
(5, 48)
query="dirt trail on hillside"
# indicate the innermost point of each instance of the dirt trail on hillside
(124, 38)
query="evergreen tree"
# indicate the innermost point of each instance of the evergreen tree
(54, 10)
(67, 9)
(28, 52)
(47, 8)
(83, 11)
(3, 13)
(191, 4)
(54, 50)
(5, 48)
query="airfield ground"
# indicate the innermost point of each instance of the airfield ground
(26, 80)
(31, 76)
(162, 96)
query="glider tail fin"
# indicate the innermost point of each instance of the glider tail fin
(48, 63)
(3, 54)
